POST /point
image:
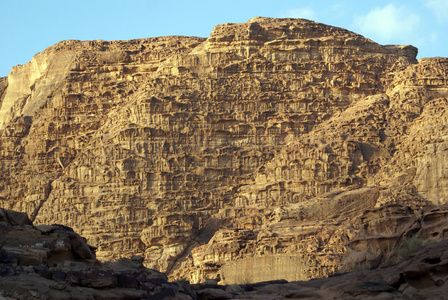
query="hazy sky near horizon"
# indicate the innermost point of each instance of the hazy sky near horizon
(29, 26)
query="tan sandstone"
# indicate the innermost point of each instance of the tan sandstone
(268, 151)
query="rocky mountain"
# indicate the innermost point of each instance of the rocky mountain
(271, 150)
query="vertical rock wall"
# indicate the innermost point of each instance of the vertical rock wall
(265, 142)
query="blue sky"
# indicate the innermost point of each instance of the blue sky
(30, 26)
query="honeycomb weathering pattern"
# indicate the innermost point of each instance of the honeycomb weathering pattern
(251, 153)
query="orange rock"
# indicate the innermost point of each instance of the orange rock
(271, 140)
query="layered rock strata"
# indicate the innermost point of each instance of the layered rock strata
(263, 146)
(52, 262)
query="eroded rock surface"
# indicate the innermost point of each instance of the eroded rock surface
(52, 262)
(255, 154)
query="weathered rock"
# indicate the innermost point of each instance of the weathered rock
(45, 262)
(422, 276)
(255, 154)
(213, 294)
(12, 218)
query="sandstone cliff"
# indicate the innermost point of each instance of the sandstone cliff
(267, 151)
(52, 262)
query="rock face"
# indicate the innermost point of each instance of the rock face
(52, 262)
(256, 154)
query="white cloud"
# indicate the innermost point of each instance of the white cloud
(434, 37)
(303, 13)
(388, 24)
(440, 9)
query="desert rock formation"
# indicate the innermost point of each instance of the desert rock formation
(52, 262)
(267, 151)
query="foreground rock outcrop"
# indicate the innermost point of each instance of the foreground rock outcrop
(268, 151)
(54, 262)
